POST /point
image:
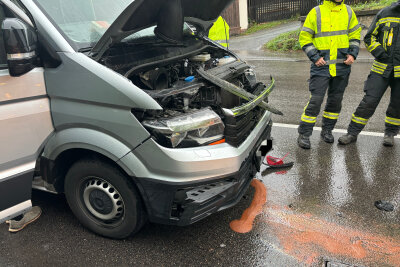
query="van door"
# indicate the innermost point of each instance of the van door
(25, 124)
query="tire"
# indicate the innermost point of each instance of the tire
(103, 199)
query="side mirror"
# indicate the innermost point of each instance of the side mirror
(20, 41)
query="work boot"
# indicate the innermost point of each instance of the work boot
(347, 139)
(29, 217)
(304, 141)
(388, 140)
(327, 136)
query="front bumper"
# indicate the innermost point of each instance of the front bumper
(188, 202)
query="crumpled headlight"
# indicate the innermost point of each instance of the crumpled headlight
(197, 128)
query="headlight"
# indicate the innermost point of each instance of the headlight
(192, 129)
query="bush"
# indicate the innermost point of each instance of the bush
(377, 4)
(288, 41)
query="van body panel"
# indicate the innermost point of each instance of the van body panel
(12, 89)
(118, 123)
(25, 123)
(15, 195)
(85, 94)
(84, 139)
(80, 78)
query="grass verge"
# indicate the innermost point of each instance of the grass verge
(288, 41)
(378, 4)
(264, 26)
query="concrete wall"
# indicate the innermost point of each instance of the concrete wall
(243, 14)
(365, 18)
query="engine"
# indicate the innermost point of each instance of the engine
(198, 91)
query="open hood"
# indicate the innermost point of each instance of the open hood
(141, 14)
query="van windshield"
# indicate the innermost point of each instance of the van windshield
(83, 21)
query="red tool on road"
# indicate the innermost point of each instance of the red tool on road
(274, 162)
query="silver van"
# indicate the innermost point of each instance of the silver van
(127, 108)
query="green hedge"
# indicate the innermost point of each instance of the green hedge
(288, 41)
(379, 4)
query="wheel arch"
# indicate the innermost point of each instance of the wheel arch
(71, 145)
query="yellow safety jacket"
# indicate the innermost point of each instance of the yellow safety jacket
(331, 31)
(219, 32)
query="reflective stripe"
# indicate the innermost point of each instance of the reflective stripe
(379, 71)
(310, 48)
(355, 28)
(222, 41)
(378, 66)
(310, 31)
(397, 67)
(308, 119)
(354, 43)
(333, 33)
(330, 115)
(388, 19)
(375, 32)
(350, 12)
(382, 65)
(393, 121)
(359, 120)
(319, 24)
(373, 47)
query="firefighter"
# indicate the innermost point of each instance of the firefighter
(219, 32)
(382, 41)
(331, 39)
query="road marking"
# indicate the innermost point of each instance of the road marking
(294, 126)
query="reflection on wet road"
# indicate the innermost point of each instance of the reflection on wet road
(324, 207)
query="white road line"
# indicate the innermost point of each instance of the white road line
(294, 126)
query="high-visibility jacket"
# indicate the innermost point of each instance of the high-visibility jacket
(219, 32)
(331, 31)
(382, 41)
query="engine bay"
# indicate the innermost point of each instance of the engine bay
(175, 77)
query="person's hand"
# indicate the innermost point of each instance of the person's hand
(320, 62)
(350, 60)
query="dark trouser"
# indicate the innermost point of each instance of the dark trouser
(374, 88)
(318, 87)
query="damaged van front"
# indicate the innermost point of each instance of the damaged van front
(152, 119)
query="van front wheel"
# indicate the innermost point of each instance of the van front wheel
(103, 199)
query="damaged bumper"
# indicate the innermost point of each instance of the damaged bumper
(185, 203)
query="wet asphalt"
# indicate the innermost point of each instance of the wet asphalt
(320, 210)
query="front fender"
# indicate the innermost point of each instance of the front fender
(83, 138)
